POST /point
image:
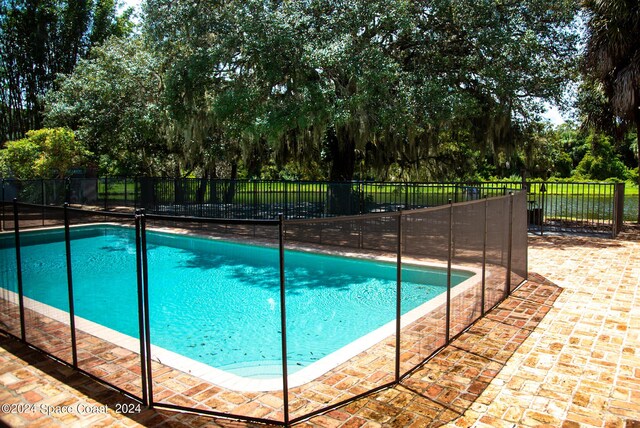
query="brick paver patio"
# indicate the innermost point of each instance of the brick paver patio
(564, 350)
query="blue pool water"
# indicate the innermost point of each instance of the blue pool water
(218, 302)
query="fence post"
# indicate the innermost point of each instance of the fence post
(135, 192)
(283, 322)
(3, 201)
(16, 228)
(618, 208)
(254, 198)
(484, 255)
(141, 313)
(543, 192)
(450, 237)
(154, 197)
(507, 289)
(72, 317)
(42, 199)
(286, 199)
(398, 293)
(406, 195)
(145, 302)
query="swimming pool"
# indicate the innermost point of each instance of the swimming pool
(214, 304)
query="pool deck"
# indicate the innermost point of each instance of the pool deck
(563, 350)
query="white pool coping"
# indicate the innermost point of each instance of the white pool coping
(239, 383)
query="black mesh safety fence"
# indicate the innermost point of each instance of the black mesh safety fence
(215, 316)
(44, 280)
(425, 250)
(519, 267)
(341, 292)
(467, 260)
(106, 297)
(497, 251)
(263, 320)
(84, 192)
(10, 316)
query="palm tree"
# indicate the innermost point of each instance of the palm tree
(612, 58)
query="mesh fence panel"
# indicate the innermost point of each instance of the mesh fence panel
(103, 260)
(6, 218)
(55, 192)
(84, 192)
(44, 280)
(30, 191)
(497, 250)
(468, 239)
(9, 302)
(215, 316)
(519, 240)
(341, 298)
(424, 284)
(366, 232)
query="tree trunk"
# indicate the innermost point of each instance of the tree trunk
(202, 188)
(342, 147)
(231, 189)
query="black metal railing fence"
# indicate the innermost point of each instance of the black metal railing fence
(487, 237)
(552, 206)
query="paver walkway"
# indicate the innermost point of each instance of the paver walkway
(564, 350)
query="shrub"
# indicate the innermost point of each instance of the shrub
(45, 153)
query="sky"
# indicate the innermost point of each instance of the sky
(554, 116)
(132, 3)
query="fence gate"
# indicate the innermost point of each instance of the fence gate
(575, 207)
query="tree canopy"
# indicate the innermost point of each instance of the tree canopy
(114, 100)
(334, 89)
(359, 82)
(39, 40)
(611, 93)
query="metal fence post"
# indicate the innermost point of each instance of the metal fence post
(16, 228)
(141, 313)
(507, 290)
(618, 208)
(450, 238)
(67, 189)
(543, 192)
(3, 201)
(406, 195)
(398, 293)
(286, 199)
(283, 322)
(254, 198)
(135, 192)
(484, 255)
(72, 316)
(106, 193)
(145, 301)
(42, 199)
